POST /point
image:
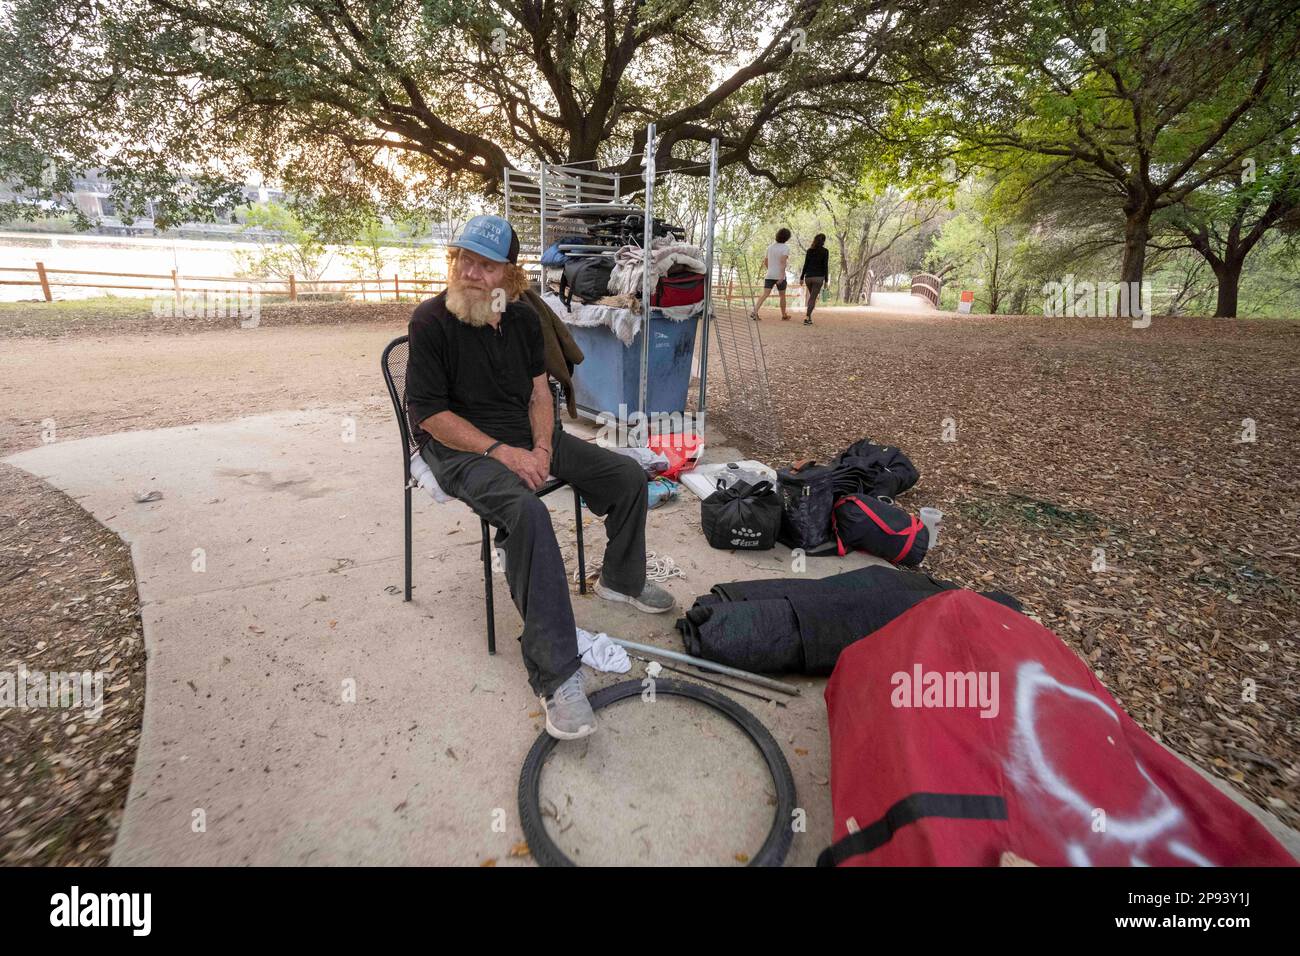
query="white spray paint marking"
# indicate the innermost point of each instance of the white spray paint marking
(1028, 759)
(1180, 849)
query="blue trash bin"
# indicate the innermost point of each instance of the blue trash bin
(610, 373)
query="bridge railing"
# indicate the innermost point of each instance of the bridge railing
(928, 287)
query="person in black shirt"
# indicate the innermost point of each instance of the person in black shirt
(816, 270)
(477, 398)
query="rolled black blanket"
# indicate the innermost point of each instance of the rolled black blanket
(800, 625)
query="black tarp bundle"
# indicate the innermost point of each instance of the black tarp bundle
(800, 625)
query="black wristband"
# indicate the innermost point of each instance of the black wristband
(488, 453)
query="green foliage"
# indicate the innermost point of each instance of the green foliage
(1135, 105)
(285, 245)
(386, 102)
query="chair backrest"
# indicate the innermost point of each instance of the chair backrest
(393, 362)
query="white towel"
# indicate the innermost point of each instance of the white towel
(602, 654)
(423, 476)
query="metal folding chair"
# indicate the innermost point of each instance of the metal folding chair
(393, 363)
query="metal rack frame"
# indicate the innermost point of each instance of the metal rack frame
(537, 197)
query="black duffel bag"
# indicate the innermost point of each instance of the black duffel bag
(743, 517)
(807, 492)
(867, 469)
(878, 526)
(586, 278)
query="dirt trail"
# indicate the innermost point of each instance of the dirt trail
(93, 385)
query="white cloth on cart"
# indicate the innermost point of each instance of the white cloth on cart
(624, 323)
(665, 254)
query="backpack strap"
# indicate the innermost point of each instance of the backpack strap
(835, 530)
(910, 531)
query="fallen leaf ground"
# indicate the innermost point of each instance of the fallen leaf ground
(68, 603)
(1099, 473)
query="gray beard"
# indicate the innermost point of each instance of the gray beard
(469, 307)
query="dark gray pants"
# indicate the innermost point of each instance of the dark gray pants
(612, 485)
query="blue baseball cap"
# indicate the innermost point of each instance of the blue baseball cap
(491, 237)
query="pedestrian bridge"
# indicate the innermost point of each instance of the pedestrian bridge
(900, 302)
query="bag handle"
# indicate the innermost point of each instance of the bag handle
(743, 489)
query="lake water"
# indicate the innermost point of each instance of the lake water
(189, 257)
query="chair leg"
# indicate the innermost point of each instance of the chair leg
(487, 587)
(582, 558)
(408, 544)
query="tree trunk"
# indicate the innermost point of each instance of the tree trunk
(993, 278)
(845, 272)
(1137, 229)
(1229, 276)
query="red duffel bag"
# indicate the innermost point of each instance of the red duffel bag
(963, 730)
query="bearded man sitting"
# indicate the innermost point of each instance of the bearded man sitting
(478, 401)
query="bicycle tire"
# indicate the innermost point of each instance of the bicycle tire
(779, 838)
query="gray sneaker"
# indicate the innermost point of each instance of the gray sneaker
(568, 715)
(653, 599)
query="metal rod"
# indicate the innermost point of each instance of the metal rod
(716, 683)
(541, 205)
(758, 679)
(647, 286)
(708, 279)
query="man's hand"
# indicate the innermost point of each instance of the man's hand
(531, 466)
(543, 456)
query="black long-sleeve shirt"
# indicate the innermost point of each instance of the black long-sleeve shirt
(816, 263)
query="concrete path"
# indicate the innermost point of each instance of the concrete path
(269, 577)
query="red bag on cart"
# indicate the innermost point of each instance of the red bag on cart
(678, 288)
(963, 730)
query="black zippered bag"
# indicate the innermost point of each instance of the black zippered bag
(807, 492)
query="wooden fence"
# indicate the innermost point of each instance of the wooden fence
(293, 288)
